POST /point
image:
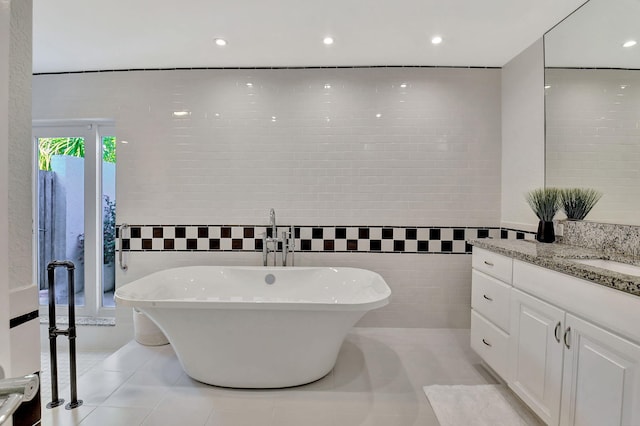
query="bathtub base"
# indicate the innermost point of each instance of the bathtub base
(256, 349)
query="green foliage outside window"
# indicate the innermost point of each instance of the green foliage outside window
(74, 147)
(109, 231)
(109, 149)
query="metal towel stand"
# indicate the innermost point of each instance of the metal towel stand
(70, 332)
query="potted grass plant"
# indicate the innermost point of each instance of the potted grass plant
(545, 203)
(578, 202)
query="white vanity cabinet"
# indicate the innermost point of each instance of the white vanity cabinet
(536, 354)
(601, 377)
(573, 347)
(490, 293)
(598, 382)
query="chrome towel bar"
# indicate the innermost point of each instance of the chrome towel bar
(14, 391)
(122, 264)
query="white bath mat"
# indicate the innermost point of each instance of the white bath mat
(480, 405)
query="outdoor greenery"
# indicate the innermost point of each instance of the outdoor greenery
(74, 147)
(109, 149)
(108, 234)
(109, 231)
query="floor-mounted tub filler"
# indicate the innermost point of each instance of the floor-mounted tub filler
(256, 327)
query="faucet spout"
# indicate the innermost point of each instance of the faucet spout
(272, 222)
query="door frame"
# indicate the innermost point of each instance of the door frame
(92, 130)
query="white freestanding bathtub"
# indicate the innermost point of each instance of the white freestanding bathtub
(256, 327)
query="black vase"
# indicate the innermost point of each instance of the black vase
(546, 233)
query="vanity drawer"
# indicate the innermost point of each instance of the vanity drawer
(493, 264)
(490, 298)
(491, 343)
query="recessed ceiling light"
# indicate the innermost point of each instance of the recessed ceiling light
(249, 84)
(220, 41)
(125, 142)
(181, 113)
(547, 86)
(378, 115)
(403, 85)
(436, 40)
(328, 41)
(629, 43)
(327, 86)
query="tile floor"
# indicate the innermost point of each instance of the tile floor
(377, 380)
(85, 361)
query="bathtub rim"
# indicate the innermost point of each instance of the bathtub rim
(265, 305)
(211, 303)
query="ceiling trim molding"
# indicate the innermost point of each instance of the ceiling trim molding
(268, 68)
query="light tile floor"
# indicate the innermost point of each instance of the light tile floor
(85, 361)
(377, 380)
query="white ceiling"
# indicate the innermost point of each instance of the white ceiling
(81, 35)
(592, 37)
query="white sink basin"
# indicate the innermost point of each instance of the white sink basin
(611, 265)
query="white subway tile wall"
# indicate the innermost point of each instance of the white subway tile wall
(325, 148)
(431, 158)
(593, 128)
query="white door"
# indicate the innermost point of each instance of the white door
(536, 354)
(601, 383)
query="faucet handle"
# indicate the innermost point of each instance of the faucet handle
(292, 236)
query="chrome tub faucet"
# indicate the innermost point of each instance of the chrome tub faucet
(272, 223)
(272, 244)
(288, 246)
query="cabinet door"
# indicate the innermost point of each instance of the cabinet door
(536, 354)
(601, 382)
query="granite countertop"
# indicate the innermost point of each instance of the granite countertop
(557, 257)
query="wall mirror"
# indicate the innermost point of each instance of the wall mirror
(592, 106)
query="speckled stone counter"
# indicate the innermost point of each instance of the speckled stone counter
(558, 257)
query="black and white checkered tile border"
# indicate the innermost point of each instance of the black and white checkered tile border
(360, 239)
(516, 234)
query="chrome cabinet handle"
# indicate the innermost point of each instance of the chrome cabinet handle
(486, 343)
(556, 332)
(122, 265)
(488, 263)
(567, 334)
(487, 297)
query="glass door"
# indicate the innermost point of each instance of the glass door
(108, 173)
(75, 212)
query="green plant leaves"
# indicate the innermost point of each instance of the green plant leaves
(109, 230)
(74, 147)
(544, 202)
(578, 202)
